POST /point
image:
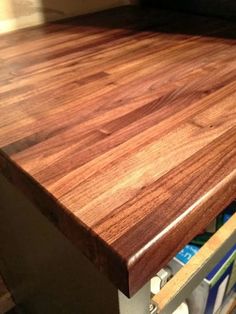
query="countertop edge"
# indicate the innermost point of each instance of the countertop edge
(210, 207)
(93, 247)
(129, 276)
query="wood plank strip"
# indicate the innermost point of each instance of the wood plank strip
(196, 140)
(161, 126)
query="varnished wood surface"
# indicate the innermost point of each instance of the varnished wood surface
(121, 127)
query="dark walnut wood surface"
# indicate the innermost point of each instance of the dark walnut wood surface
(121, 127)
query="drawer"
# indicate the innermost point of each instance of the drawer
(191, 275)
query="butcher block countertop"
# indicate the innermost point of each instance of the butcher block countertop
(121, 127)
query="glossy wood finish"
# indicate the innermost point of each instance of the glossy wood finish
(120, 126)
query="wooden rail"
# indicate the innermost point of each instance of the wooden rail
(175, 291)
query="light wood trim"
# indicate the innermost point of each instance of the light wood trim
(204, 257)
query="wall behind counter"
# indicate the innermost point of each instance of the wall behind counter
(15, 14)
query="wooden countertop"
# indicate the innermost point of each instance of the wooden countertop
(121, 127)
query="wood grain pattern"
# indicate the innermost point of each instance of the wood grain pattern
(121, 127)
